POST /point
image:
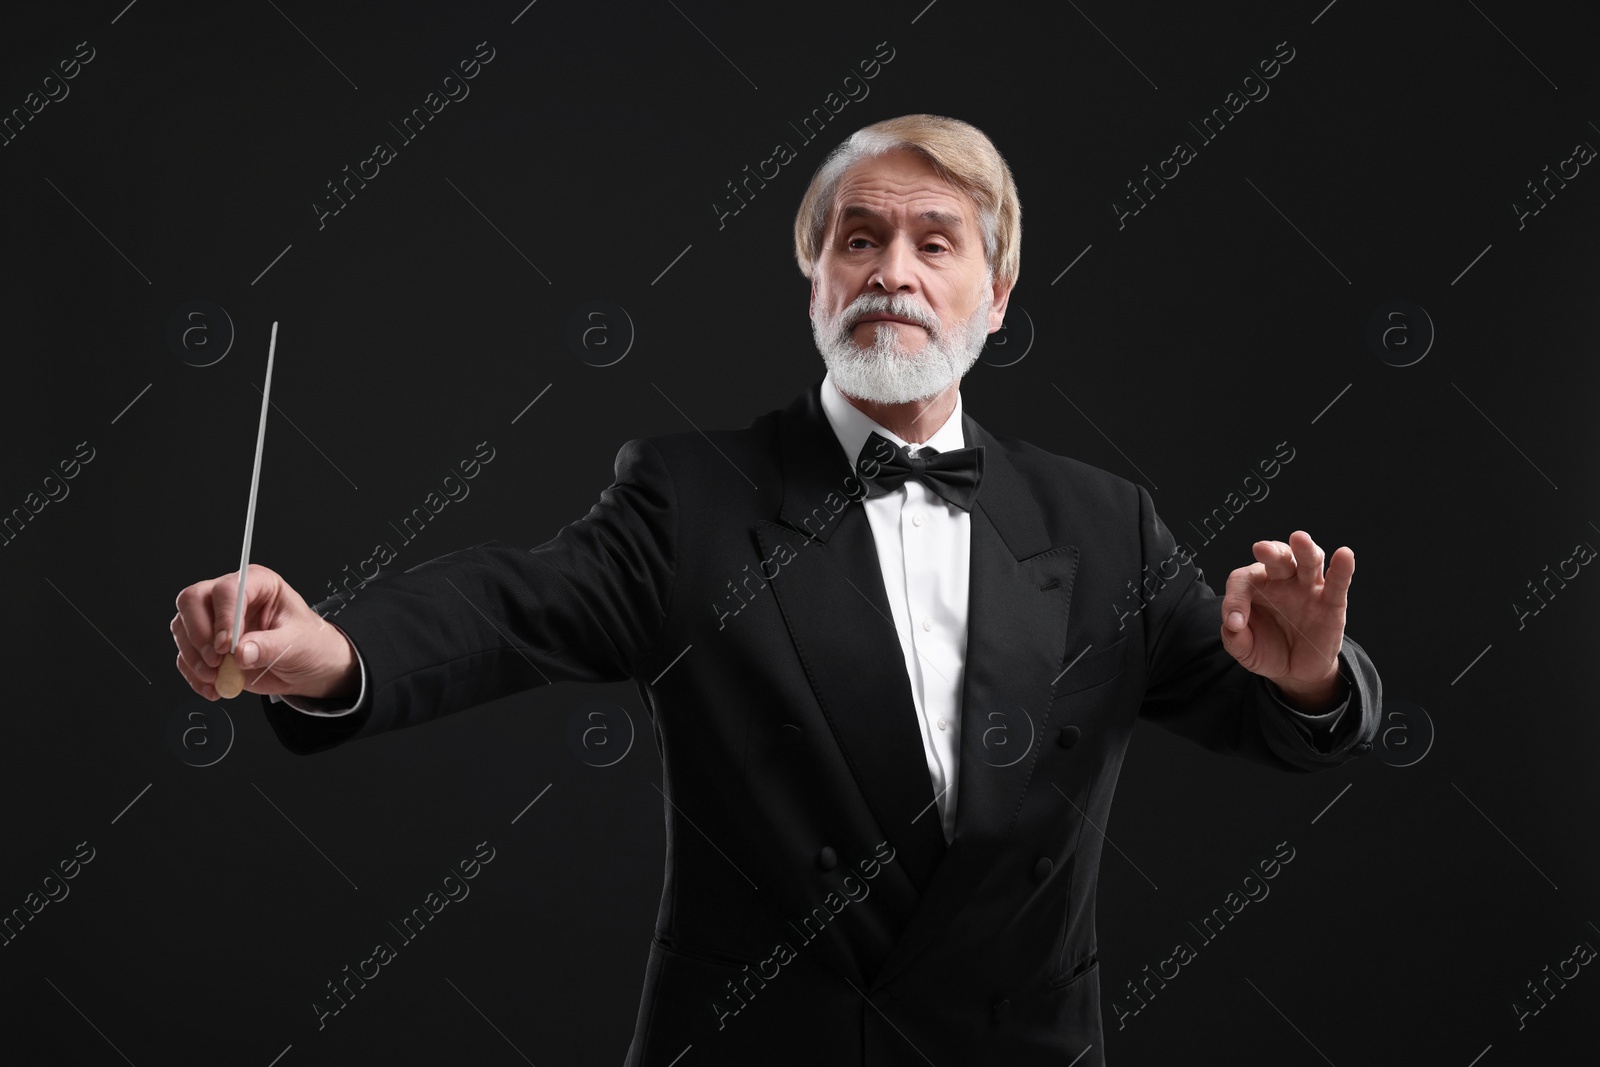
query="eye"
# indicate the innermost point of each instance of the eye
(857, 242)
(933, 246)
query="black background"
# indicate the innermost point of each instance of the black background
(1177, 351)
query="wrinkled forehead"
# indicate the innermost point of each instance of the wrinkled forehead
(902, 188)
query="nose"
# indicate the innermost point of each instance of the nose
(895, 271)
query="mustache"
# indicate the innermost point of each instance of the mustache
(900, 305)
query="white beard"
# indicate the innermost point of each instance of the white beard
(886, 372)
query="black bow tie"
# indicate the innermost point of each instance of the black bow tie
(953, 475)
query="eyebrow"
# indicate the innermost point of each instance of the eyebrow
(861, 211)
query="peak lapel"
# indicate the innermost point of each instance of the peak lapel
(833, 601)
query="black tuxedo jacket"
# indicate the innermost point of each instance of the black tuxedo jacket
(812, 912)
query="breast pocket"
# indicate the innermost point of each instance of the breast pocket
(1096, 666)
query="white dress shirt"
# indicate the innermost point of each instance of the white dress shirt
(924, 551)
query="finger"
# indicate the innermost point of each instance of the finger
(1341, 569)
(1308, 558)
(224, 597)
(1237, 596)
(194, 609)
(204, 688)
(1277, 557)
(192, 655)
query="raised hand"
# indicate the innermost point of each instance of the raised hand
(285, 647)
(1283, 618)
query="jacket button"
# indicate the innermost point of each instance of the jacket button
(789, 733)
(1001, 1007)
(1365, 746)
(1041, 870)
(1068, 736)
(827, 859)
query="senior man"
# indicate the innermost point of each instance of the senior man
(907, 691)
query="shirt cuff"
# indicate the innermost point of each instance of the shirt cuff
(1325, 722)
(323, 707)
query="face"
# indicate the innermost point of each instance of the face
(901, 299)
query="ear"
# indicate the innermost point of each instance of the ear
(1002, 296)
(811, 308)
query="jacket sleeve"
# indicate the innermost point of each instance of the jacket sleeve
(477, 624)
(1196, 689)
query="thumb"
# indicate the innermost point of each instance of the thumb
(260, 649)
(1239, 643)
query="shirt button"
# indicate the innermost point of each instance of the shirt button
(916, 520)
(1001, 1007)
(943, 724)
(927, 624)
(1041, 870)
(827, 859)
